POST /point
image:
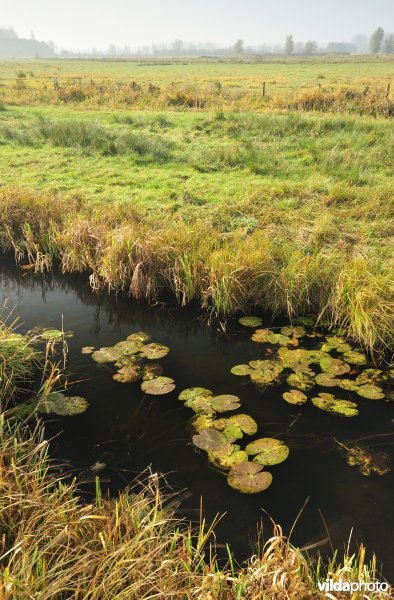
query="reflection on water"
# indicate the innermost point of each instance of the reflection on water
(129, 431)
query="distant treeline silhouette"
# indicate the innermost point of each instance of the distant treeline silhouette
(13, 46)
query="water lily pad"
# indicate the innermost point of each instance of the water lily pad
(200, 405)
(241, 370)
(300, 381)
(334, 366)
(225, 402)
(202, 421)
(87, 350)
(158, 386)
(107, 355)
(249, 478)
(193, 393)
(295, 397)
(210, 440)
(308, 320)
(373, 376)
(261, 336)
(152, 371)
(348, 384)
(154, 351)
(251, 321)
(329, 403)
(225, 460)
(297, 332)
(54, 335)
(368, 461)
(355, 358)
(327, 380)
(128, 348)
(59, 404)
(138, 336)
(233, 432)
(301, 367)
(290, 357)
(372, 392)
(244, 422)
(127, 375)
(269, 451)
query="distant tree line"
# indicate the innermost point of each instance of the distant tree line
(13, 46)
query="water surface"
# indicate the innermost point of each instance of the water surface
(130, 431)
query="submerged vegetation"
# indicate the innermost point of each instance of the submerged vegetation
(55, 545)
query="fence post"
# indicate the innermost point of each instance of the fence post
(263, 89)
(56, 84)
(388, 89)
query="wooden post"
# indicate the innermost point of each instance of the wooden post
(388, 89)
(56, 84)
(263, 89)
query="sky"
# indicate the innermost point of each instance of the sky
(84, 24)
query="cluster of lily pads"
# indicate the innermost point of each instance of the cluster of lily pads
(55, 403)
(132, 358)
(220, 435)
(297, 366)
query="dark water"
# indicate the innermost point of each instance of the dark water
(130, 431)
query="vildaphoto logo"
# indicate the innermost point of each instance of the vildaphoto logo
(329, 585)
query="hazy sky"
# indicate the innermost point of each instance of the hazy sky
(86, 23)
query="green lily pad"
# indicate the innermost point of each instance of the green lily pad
(278, 338)
(249, 478)
(241, 370)
(225, 460)
(193, 393)
(59, 404)
(244, 422)
(368, 461)
(327, 380)
(107, 355)
(210, 440)
(127, 375)
(261, 336)
(200, 405)
(128, 348)
(300, 381)
(232, 432)
(225, 402)
(297, 332)
(290, 357)
(154, 351)
(138, 336)
(269, 451)
(348, 384)
(87, 350)
(335, 406)
(334, 366)
(202, 421)
(355, 358)
(152, 371)
(372, 392)
(158, 386)
(251, 321)
(295, 397)
(54, 335)
(308, 320)
(301, 367)
(373, 376)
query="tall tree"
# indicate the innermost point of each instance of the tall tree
(388, 45)
(310, 47)
(289, 45)
(376, 41)
(239, 47)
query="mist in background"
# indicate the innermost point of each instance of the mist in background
(47, 28)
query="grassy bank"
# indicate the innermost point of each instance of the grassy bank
(292, 213)
(55, 546)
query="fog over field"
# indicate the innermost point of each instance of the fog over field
(260, 24)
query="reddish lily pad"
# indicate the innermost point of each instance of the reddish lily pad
(249, 478)
(158, 386)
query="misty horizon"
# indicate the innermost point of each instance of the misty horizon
(207, 25)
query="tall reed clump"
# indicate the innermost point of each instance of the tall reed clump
(54, 545)
(285, 267)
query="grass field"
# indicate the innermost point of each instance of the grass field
(287, 209)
